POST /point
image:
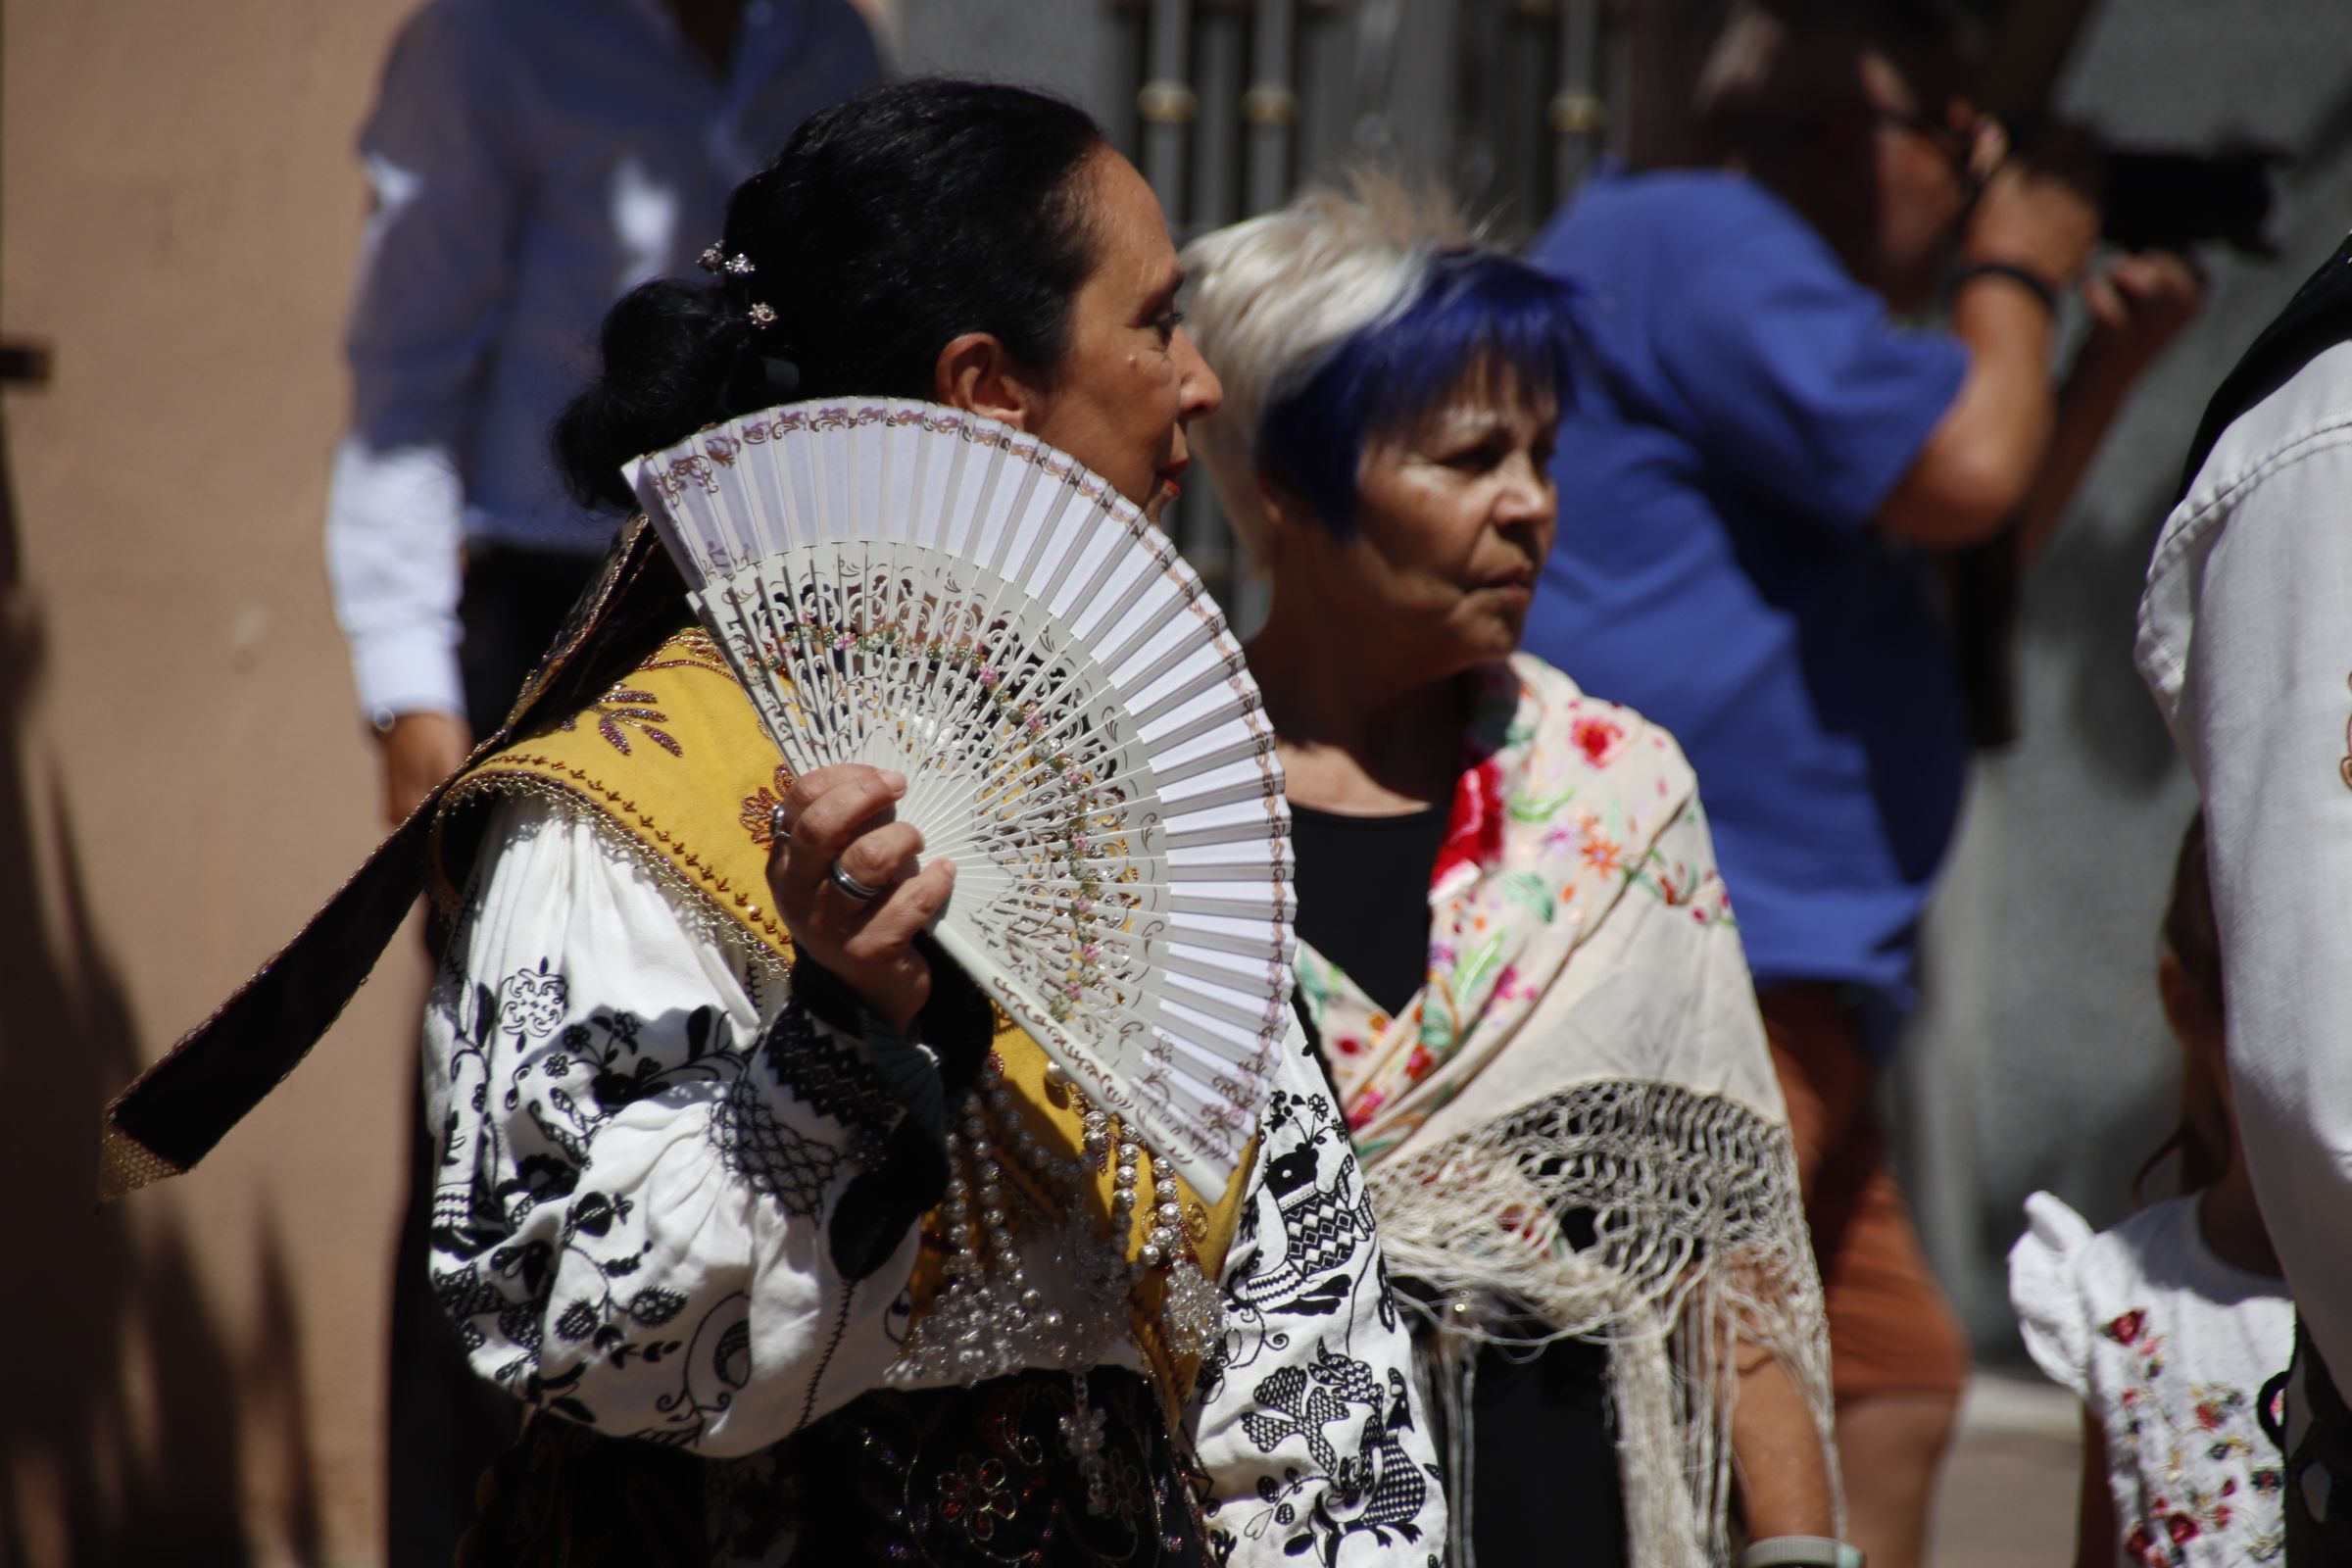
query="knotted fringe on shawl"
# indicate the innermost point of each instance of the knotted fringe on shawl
(1701, 1250)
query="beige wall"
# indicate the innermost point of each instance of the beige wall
(194, 1375)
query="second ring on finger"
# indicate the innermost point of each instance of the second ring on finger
(850, 885)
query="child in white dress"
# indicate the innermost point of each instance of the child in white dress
(2172, 1326)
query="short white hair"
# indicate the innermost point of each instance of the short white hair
(1272, 296)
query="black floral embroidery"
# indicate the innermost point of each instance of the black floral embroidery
(558, 1084)
(1335, 1423)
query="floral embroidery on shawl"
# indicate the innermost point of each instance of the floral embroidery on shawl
(1585, 1058)
(1556, 817)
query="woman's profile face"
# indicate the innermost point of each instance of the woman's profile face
(1131, 378)
(1453, 523)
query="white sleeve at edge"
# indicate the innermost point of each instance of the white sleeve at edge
(2269, 667)
(2046, 1292)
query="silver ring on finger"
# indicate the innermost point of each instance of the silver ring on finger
(779, 826)
(852, 887)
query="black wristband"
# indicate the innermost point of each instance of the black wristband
(2023, 277)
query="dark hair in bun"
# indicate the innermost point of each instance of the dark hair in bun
(892, 223)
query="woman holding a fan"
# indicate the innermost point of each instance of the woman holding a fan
(796, 1248)
(789, 1200)
(1515, 952)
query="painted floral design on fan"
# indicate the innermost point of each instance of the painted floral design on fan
(1068, 831)
(921, 590)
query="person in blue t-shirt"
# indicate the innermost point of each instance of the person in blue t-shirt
(1748, 508)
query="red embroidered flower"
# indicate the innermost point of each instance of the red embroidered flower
(2208, 1417)
(1474, 833)
(1349, 1044)
(2139, 1541)
(2126, 1329)
(1597, 738)
(2180, 1526)
(1417, 1066)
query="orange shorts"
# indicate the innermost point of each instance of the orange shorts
(1892, 1329)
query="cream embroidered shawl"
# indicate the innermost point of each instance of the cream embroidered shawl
(1586, 1044)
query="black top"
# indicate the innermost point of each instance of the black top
(1363, 894)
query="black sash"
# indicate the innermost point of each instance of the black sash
(178, 1109)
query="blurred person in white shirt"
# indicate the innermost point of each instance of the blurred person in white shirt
(531, 161)
(2245, 639)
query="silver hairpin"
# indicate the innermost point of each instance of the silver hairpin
(711, 259)
(763, 313)
(740, 265)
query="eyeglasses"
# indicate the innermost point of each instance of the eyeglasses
(1959, 146)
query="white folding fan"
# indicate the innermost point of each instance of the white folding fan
(921, 589)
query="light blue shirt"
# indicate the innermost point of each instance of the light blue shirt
(532, 161)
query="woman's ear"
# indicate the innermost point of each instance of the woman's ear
(977, 373)
(1285, 510)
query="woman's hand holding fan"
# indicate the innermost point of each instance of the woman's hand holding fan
(925, 591)
(839, 817)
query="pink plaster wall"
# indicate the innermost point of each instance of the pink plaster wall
(192, 1376)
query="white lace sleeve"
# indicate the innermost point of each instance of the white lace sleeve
(628, 1226)
(1314, 1440)
(2045, 1291)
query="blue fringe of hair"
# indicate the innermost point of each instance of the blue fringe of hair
(1472, 310)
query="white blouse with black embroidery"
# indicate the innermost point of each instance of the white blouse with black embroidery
(634, 1175)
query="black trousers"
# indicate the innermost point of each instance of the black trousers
(446, 1425)
(1543, 1484)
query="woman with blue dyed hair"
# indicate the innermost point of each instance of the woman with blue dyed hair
(1515, 954)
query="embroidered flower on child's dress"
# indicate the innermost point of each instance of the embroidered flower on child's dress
(1597, 738)
(2125, 1330)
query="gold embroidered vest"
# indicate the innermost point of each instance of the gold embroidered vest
(673, 760)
